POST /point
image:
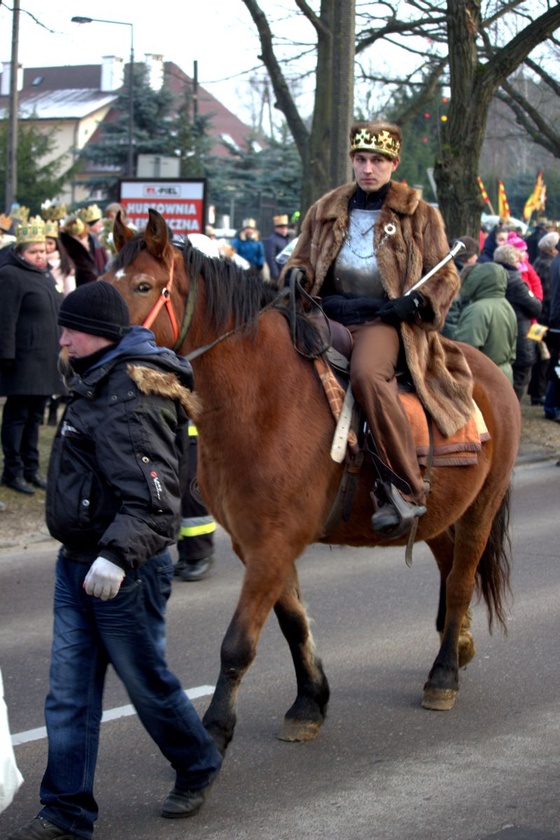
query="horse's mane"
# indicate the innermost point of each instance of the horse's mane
(223, 281)
(232, 293)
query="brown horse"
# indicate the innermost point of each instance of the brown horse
(265, 432)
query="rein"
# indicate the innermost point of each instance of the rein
(179, 334)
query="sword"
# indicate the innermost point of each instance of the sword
(454, 251)
(340, 439)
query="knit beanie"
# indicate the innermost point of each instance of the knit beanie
(95, 308)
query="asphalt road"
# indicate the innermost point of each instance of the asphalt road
(382, 767)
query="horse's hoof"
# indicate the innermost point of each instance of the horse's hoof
(467, 648)
(299, 730)
(439, 699)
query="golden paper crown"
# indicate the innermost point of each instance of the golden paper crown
(5, 223)
(280, 220)
(90, 214)
(51, 229)
(31, 231)
(20, 213)
(383, 142)
(74, 226)
(51, 211)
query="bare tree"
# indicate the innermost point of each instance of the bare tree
(473, 85)
(447, 42)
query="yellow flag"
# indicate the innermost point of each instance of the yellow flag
(503, 206)
(537, 332)
(534, 200)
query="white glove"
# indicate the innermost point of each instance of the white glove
(103, 579)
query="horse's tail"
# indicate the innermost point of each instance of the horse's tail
(494, 568)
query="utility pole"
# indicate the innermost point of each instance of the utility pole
(11, 162)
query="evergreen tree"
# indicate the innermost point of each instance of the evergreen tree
(256, 178)
(35, 183)
(154, 131)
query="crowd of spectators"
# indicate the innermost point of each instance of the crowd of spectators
(508, 307)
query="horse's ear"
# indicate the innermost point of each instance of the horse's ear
(156, 235)
(121, 233)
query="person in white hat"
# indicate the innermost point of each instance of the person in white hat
(249, 246)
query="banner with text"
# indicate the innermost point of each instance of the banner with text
(182, 202)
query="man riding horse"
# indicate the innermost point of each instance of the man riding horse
(361, 247)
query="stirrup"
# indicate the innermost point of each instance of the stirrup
(394, 519)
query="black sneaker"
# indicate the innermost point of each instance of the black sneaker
(41, 829)
(196, 570)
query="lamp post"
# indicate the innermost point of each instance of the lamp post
(130, 150)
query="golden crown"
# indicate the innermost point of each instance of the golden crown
(381, 141)
(5, 223)
(51, 211)
(280, 220)
(20, 213)
(31, 231)
(90, 214)
(51, 229)
(74, 226)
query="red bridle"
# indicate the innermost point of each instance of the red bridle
(165, 300)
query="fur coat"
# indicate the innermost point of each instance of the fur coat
(438, 367)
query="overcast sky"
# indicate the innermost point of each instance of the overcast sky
(218, 34)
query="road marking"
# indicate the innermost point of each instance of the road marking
(110, 714)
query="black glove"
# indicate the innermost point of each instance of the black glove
(410, 307)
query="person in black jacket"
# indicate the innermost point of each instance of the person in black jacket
(526, 307)
(552, 396)
(113, 501)
(28, 353)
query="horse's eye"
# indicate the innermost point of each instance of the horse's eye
(144, 287)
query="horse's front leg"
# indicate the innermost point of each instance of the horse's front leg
(305, 717)
(262, 586)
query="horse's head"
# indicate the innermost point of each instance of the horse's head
(146, 272)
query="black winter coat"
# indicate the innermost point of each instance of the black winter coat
(114, 483)
(526, 307)
(29, 332)
(273, 246)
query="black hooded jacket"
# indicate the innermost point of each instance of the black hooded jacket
(114, 484)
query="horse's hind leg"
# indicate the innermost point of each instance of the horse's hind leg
(303, 720)
(442, 548)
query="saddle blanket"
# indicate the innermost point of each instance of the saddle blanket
(461, 449)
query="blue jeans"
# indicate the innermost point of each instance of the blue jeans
(127, 632)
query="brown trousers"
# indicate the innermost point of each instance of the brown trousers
(374, 385)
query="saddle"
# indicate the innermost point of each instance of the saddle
(352, 441)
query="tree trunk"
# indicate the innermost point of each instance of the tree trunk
(344, 29)
(473, 85)
(316, 175)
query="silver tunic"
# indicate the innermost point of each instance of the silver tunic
(355, 268)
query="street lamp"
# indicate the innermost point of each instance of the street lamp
(130, 155)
